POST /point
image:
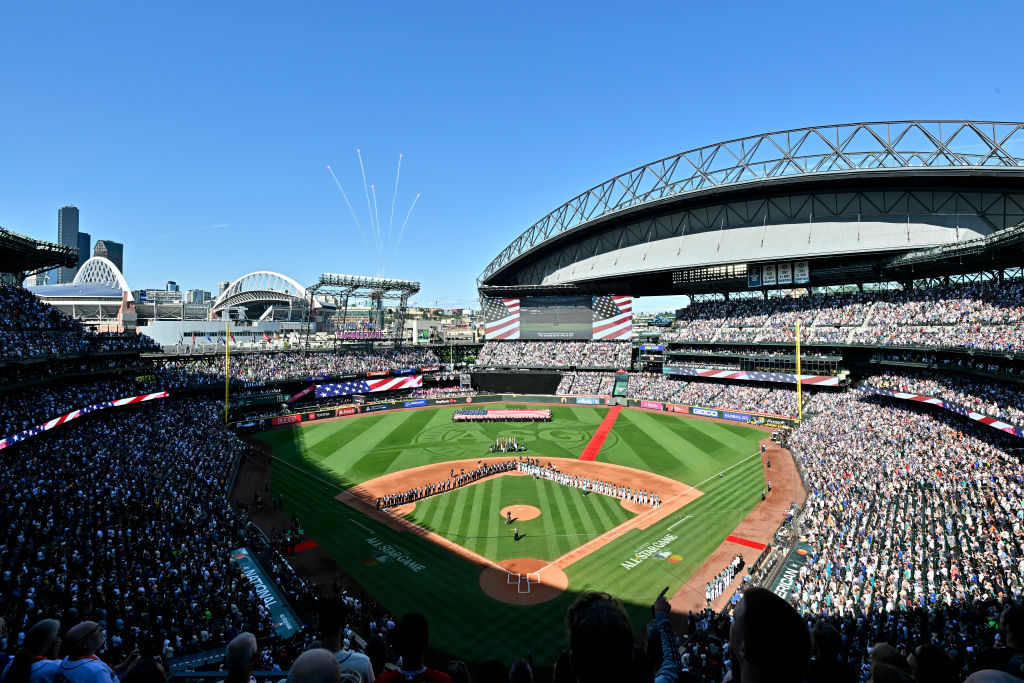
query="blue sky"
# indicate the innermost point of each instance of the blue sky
(199, 133)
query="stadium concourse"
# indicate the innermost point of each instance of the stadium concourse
(914, 522)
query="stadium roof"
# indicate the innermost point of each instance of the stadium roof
(20, 254)
(89, 290)
(716, 202)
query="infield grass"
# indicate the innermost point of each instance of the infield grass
(313, 462)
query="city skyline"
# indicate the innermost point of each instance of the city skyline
(206, 152)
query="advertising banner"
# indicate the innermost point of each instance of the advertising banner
(443, 401)
(286, 623)
(785, 273)
(350, 410)
(432, 368)
(801, 273)
(318, 378)
(706, 412)
(358, 399)
(405, 371)
(285, 420)
(321, 414)
(304, 392)
(768, 274)
(377, 373)
(374, 407)
(739, 417)
(588, 400)
(787, 578)
(652, 405)
(753, 276)
(652, 347)
(679, 409)
(416, 403)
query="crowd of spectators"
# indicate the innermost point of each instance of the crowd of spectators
(916, 523)
(284, 366)
(33, 329)
(586, 384)
(32, 406)
(122, 518)
(983, 315)
(1001, 401)
(555, 354)
(753, 399)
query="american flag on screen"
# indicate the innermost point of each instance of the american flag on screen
(613, 317)
(363, 386)
(501, 318)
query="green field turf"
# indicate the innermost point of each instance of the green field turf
(313, 462)
(471, 517)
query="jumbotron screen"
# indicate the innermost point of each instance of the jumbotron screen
(561, 317)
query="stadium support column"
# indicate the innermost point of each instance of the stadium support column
(799, 396)
(227, 366)
(400, 319)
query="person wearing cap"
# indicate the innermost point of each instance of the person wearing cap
(82, 642)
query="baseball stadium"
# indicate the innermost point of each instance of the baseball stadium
(836, 418)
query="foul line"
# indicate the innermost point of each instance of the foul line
(618, 531)
(680, 522)
(596, 441)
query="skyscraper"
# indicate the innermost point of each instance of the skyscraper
(113, 251)
(84, 244)
(67, 235)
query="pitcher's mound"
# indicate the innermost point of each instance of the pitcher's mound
(524, 586)
(520, 513)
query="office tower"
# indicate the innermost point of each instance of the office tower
(67, 235)
(84, 244)
(112, 251)
(172, 286)
(221, 286)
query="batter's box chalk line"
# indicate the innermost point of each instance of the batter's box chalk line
(522, 581)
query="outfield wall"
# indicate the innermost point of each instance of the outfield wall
(698, 411)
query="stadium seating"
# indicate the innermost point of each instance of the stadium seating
(555, 354)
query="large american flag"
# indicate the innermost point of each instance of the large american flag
(501, 318)
(365, 386)
(613, 317)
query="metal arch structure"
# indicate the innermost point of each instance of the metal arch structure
(262, 286)
(814, 152)
(101, 270)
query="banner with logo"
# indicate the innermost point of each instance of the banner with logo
(706, 412)
(753, 276)
(652, 347)
(739, 417)
(304, 392)
(588, 400)
(285, 420)
(801, 273)
(787, 579)
(286, 623)
(785, 272)
(768, 274)
(416, 404)
(652, 405)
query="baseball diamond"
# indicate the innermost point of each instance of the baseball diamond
(457, 550)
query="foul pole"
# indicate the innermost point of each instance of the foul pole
(227, 366)
(799, 398)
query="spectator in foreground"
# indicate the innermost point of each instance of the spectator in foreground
(82, 642)
(826, 665)
(37, 660)
(333, 615)
(600, 638)
(1008, 659)
(240, 658)
(315, 666)
(768, 640)
(411, 638)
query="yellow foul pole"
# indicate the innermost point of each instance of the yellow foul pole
(799, 398)
(227, 366)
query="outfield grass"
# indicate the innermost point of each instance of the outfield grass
(313, 462)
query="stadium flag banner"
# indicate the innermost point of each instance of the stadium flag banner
(768, 274)
(787, 578)
(787, 378)
(501, 319)
(364, 386)
(286, 623)
(785, 273)
(63, 419)
(753, 276)
(801, 273)
(304, 392)
(613, 317)
(993, 422)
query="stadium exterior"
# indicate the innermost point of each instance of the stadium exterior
(847, 204)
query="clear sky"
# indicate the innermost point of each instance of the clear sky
(199, 133)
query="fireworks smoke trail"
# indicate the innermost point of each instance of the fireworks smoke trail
(369, 210)
(380, 235)
(349, 205)
(393, 198)
(402, 231)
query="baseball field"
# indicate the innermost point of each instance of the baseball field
(454, 556)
